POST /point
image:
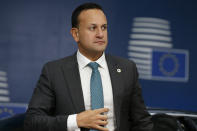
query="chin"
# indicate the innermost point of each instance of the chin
(100, 50)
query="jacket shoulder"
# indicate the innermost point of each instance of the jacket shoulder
(120, 60)
(60, 62)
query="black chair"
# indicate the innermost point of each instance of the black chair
(14, 123)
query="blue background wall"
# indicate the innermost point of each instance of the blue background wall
(34, 32)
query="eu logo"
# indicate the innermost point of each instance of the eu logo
(170, 64)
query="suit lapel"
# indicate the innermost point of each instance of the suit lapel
(72, 77)
(117, 83)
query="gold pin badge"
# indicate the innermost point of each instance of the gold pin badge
(118, 70)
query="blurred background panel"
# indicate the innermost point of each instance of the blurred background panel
(35, 32)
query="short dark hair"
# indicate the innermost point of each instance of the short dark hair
(79, 9)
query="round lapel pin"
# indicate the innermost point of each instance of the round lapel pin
(118, 70)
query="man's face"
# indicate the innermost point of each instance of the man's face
(92, 32)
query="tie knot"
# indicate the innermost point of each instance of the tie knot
(93, 65)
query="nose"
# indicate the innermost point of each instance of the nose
(99, 33)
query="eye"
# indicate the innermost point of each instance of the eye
(92, 28)
(104, 27)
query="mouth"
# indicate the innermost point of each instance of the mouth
(100, 42)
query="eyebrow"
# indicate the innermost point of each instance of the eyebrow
(96, 24)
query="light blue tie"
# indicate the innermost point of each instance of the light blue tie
(96, 89)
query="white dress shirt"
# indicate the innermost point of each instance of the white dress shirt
(85, 75)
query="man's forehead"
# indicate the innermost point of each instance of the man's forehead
(91, 11)
(93, 16)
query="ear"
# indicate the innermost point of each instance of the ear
(75, 34)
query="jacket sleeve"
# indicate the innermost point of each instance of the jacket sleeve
(140, 118)
(40, 115)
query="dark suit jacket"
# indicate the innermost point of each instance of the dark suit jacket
(59, 94)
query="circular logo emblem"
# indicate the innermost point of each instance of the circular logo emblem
(169, 64)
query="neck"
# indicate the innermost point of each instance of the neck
(93, 56)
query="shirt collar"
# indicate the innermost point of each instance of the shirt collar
(84, 61)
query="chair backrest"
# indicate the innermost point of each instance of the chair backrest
(164, 122)
(14, 123)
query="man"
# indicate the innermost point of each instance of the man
(65, 96)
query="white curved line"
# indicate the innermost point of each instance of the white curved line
(3, 73)
(150, 43)
(151, 37)
(14, 104)
(144, 67)
(152, 25)
(150, 30)
(140, 49)
(4, 85)
(4, 92)
(151, 19)
(144, 72)
(143, 76)
(3, 78)
(4, 99)
(139, 55)
(140, 61)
